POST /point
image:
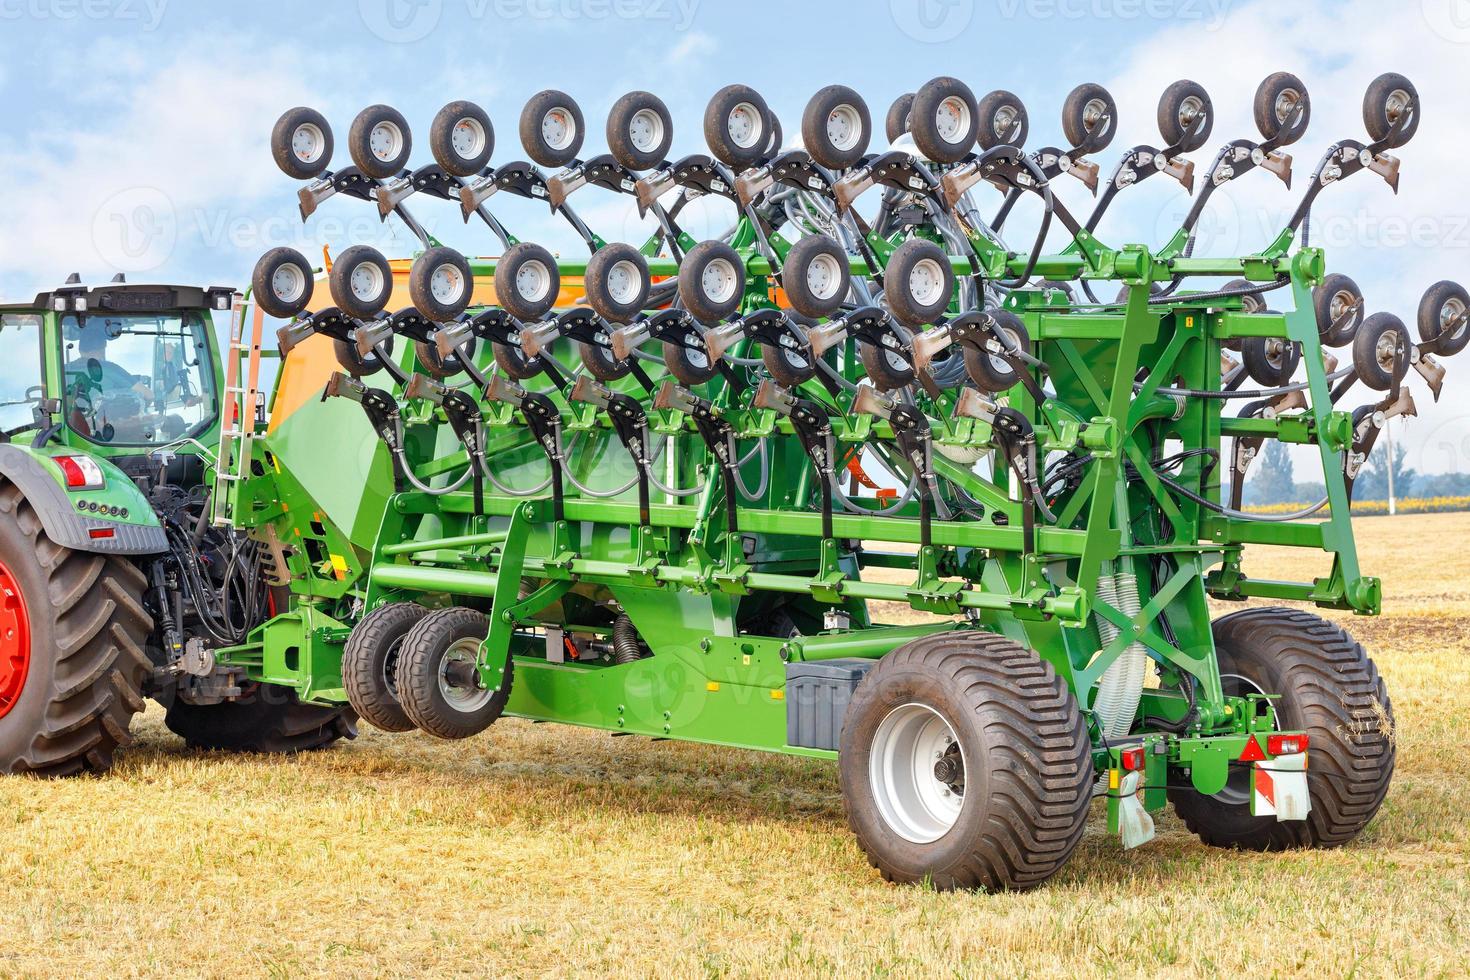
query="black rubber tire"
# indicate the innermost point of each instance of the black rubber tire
(301, 143)
(511, 359)
(773, 145)
(1250, 302)
(885, 367)
(1269, 118)
(1185, 97)
(462, 138)
(526, 257)
(788, 364)
(1444, 298)
(600, 361)
(1330, 689)
(269, 719)
(87, 665)
(1023, 739)
(1371, 346)
(1330, 301)
(1270, 369)
(896, 123)
(1380, 108)
(710, 309)
(280, 262)
(924, 120)
(988, 372)
(419, 663)
(1090, 130)
(690, 367)
(383, 159)
(816, 276)
(1003, 120)
(533, 137)
(441, 284)
(747, 151)
(651, 117)
(356, 364)
(1065, 288)
(361, 282)
(621, 259)
(436, 365)
(820, 109)
(370, 663)
(907, 308)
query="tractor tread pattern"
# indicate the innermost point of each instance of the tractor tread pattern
(1038, 766)
(99, 634)
(362, 668)
(1337, 697)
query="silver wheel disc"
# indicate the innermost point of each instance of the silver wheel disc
(288, 283)
(926, 282)
(1190, 110)
(532, 281)
(559, 128)
(917, 771)
(824, 277)
(385, 141)
(1095, 114)
(1004, 121)
(997, 362)
(952, 120)
(1286, 104)
(1386, 351)
(366, 281)
(623, 282)
(1448, 314)
(844, 127)
(1398, 101)
(446, 284)
(744, 125)
(645, 130)
(467, 138)
(308, 143)
(464, 699)
(718, 281)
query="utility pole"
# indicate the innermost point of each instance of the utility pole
(1388, 431)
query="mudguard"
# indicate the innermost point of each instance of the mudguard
(115, 519)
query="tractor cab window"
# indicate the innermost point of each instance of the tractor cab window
(138, 379)
(20, 369)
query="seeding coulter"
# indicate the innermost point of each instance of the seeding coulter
(674, 488)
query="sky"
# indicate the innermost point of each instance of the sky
(136, 131)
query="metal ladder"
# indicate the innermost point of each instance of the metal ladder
(237, 430)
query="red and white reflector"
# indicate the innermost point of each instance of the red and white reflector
(1252, 751)
(1279, 788)
(1286, 744)
(81, 472)
(1133, 759)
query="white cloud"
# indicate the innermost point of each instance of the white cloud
(694, 44)
(1394, 247)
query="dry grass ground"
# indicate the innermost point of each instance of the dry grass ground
(546, 850)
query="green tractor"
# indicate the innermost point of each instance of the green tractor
(114, 585)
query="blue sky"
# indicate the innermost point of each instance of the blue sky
(136, 130)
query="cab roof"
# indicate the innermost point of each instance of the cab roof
(119, 296)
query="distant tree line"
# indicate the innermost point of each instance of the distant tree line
(1272, 480)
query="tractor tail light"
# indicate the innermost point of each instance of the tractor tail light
(1133, 760)
(81, 472)
(1286, 744)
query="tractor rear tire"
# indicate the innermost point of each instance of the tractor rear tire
(72, 665)
(1022, 750)
(270, 720)
(1331, 690)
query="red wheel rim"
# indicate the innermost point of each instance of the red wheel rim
(15, 641)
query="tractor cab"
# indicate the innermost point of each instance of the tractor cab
(117, 370)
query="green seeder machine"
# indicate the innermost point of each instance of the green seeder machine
(674, 488)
